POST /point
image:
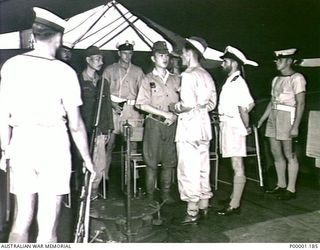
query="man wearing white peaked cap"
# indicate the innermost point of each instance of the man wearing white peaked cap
(34, 108)
(284, 113)
(235, 103)
(124, 78)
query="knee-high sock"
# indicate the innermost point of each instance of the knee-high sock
(281, 173)
(293, 169)
(238, 186)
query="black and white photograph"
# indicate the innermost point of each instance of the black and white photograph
(158, 122)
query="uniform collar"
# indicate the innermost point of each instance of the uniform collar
(234, 76)
(165, 78)
(121, 66)
(86, 77)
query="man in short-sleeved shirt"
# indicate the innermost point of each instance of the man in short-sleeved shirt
(158, 89)
(124, 79)
(283, 115)
(34, 108)
(235, 103)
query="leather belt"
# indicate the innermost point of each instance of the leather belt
(157, 117)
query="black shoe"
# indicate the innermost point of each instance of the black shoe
(228, 210)
(276, 190)
(287, 195)
(189, 219)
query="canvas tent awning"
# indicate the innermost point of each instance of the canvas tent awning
(106, 25)
(10, 40)
(310, 62)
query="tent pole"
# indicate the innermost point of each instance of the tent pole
(131, 25)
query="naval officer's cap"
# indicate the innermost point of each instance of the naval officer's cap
(235, 54)
(285, 53)
(49, 19)
(125, 45)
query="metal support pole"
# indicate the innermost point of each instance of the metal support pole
(127, 129)
(256, 138)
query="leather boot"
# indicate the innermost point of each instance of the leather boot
(151, 177)
(165, 182)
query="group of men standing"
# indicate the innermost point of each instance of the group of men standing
(177, 127)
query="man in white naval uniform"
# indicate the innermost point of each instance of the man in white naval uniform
(35, 106)
(197, 98)
(235, 103)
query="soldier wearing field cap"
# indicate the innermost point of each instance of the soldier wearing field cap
(235, 103)
(124, 79)
(91, 84)
(197, 98)
(284, 113)
(158, 89)
(34, 110)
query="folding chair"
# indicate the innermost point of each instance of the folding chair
(136, 158)
(253, 150)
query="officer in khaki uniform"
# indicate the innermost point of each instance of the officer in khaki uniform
(124, 79)
(283, 114)
(159, 88)
(197, 98)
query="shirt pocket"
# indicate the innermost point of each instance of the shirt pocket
(156, 97)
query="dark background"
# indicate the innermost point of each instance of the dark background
(256, 27)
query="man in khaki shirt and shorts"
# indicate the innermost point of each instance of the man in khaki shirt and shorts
(284, 113)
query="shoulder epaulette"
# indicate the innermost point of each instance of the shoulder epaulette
(235, 78)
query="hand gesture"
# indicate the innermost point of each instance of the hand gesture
(170, 118)
(90, 167)
(259, 124)
(117, 108)
(172, 107)
(294, 132)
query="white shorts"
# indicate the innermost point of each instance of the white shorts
(232, 142)
(40, 161)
